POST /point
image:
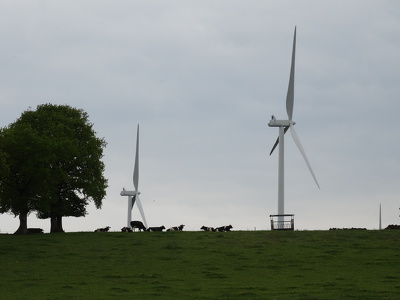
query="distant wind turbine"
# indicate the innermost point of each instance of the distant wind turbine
(284, 125)
(133, 196)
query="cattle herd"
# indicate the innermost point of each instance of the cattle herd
(139, 225)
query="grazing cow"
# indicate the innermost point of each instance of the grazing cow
(34, 230)
(161, 228)
(205, 228)
(228, 228)
(393, 226)
(105, 229)
(179, 228)
(137, 224)
(126, 229)
(220, 229)
(224, 228)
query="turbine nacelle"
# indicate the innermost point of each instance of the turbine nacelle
(129, 193)
(280, 123)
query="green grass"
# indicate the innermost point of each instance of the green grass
(202, 265)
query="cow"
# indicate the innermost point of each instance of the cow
(393, 226)
(205, 228)
(161, 228)
(126, 229)
(34, 230)
(220, 229)
(137, 224)
(178, 228)
(105, 229)
(228, 228)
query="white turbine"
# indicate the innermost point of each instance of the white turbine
(133, 196)
(284, 125)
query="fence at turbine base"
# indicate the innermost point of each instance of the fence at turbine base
(282, 222)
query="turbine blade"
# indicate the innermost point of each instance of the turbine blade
(290, 92)
(303, 153)
(133, 201)
(136, 168)
(139, 205)
(277, 140)
(276, 144)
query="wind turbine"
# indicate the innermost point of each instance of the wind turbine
(133, 196)
(284, 125)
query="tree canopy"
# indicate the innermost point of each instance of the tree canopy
(50, 163)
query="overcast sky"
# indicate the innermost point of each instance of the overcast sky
(203, 79)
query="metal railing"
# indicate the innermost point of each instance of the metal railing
(282, 223)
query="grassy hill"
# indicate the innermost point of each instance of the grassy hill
(346, 264)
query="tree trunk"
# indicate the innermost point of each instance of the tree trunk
(59, 224)
(23, 224)
(56, 224)
(53, 224)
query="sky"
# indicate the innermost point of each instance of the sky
(202, 78)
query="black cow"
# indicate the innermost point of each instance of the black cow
(105, 229)
(220, 229)
(228, 228)
(34, 230)
(224, 228)
(137, 224)
(126, 229)
(161, 228)
(178, 228)
(205, 228)
(393, 226)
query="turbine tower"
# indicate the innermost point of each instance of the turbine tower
(133, 196)
(284, 125)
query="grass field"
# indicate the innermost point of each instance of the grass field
(346, 264)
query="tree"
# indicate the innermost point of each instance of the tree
(20, 173)
(63, 167)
